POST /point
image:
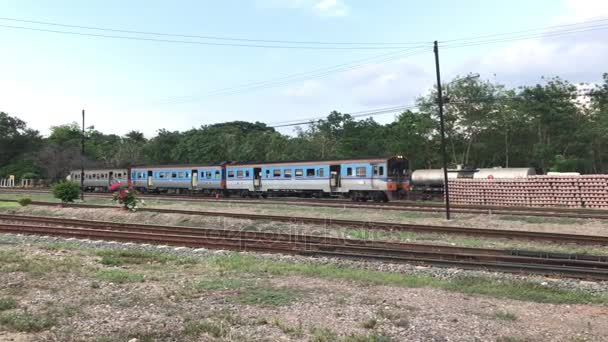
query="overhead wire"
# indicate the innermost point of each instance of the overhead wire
(209, 37)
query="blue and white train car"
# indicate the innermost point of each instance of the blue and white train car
(205, 178)
(361, 179)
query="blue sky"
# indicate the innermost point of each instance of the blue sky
(47, 78)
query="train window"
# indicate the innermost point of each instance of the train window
(217, 175)
(310, 172)
(230, 174)
(239, 174)
(276, 173)
(246, 173)
(381, 171)
(287, 173)
(349, 171)
(375, 170)
(209, 174)
(180, 175)
(161, 175)
(173, 174)
(321, 172)
(299, 172)
(267, 173)
(187, 174)
(361, 172)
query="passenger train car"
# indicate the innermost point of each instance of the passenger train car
(378, 179)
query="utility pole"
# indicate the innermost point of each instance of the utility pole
(444, 153)
(82, 160)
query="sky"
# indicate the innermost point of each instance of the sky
(47, 78)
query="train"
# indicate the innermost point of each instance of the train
(379, 179)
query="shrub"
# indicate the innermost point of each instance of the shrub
(24, 201)
(126, 196)
(66, 191)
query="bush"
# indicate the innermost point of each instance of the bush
(66, 191)
(24, 201)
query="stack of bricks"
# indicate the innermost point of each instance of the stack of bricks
(589, 191)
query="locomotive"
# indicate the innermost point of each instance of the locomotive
(378, 179)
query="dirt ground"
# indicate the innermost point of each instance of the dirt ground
(59, 292)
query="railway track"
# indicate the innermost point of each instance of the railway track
(387, 226)
(553, 264)
(434, 207)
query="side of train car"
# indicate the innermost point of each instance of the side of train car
(99, 179)
(378, 179)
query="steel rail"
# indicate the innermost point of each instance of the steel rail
(580, 213)
(388, 226)
(569, 265)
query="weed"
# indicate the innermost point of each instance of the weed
(27, 322)
(215, 329)
(114, 257)
(505, 316)
(7, 304)
(118, 276)
(510, 339)
(370, 323)
(219, 284)
(368, 338)
(323, 335)
(268, 296)
(294, 331)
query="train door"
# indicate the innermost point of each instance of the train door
(150, 183)
(110, 178)
(194, 179)
(378, 175)
(257, 178)
(334, 177)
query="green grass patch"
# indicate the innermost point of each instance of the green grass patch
(215, 329)
(540, 219)
(511, 289)
(117, 257)
(119, 276)
(291, 330)
(220, 284)
(8, 205)
(505, 316)
(7, 303)
(26, 322)
(322, 334)
(268, 296)
(366, 338)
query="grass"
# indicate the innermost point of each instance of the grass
(368, 338)
(117, 257)
(323, 335)
(215, 329)
(294, 331)
(220, 284)
(27, 322)
(119, 276)
(370, 323)
(510, 289)
(7, 303)
(505, 316)
(268, 296)
(539, 219)
(9, 205)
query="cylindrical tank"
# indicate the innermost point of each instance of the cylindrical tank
(563, 174)
(499, 172)
(434, 177)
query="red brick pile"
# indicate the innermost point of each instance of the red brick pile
(589, 191)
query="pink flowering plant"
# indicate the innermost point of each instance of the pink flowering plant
(125, 195)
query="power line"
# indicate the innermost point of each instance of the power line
(192, 42)
(304, 76)
(374, 112)
(209, 37)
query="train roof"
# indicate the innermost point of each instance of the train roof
(100, 169)
(313, 161)
(178, 166)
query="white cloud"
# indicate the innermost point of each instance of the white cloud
(332, 8)
(324, 8)
(308, 91)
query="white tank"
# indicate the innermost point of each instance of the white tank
(499, 172)
(563, 174)
(434, 177)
